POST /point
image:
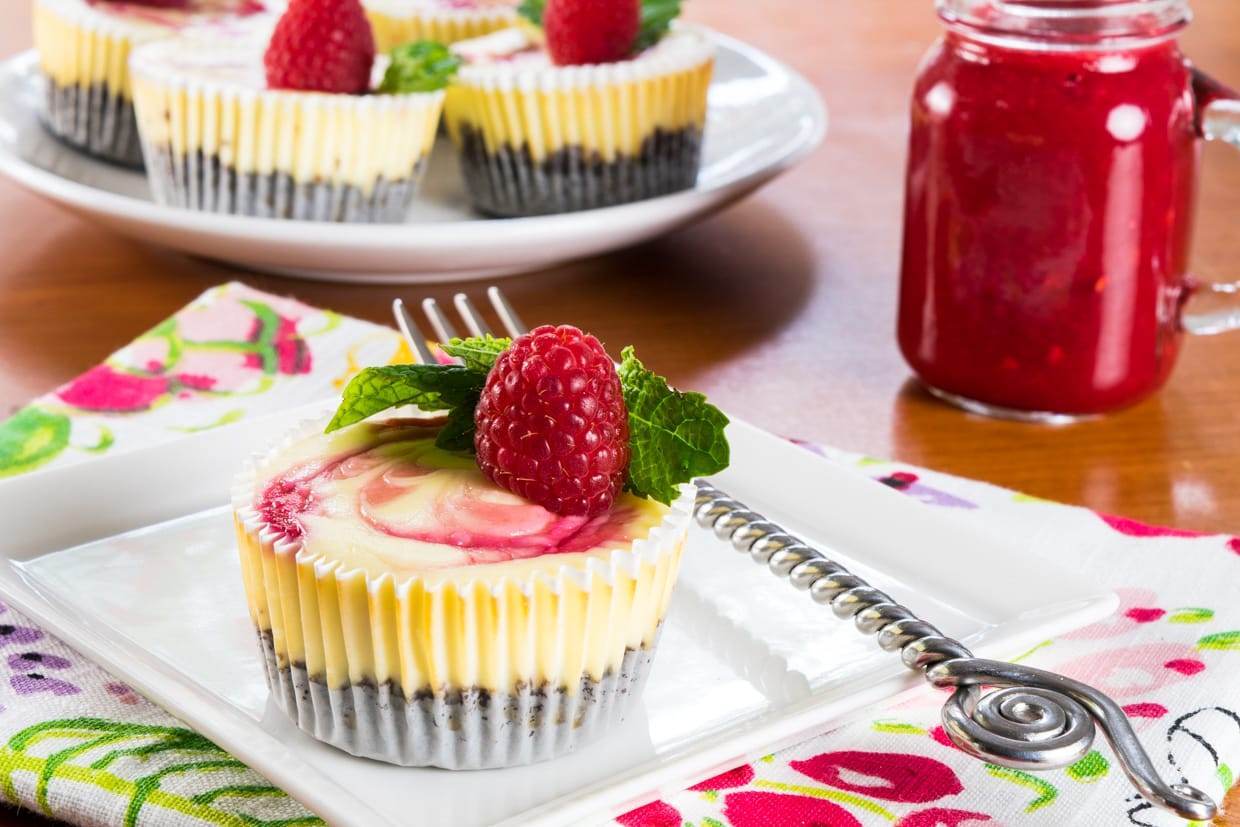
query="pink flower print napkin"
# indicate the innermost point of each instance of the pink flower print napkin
(232, 353)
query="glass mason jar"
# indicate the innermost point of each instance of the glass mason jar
(1051, 182)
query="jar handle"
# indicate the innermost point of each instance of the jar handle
(1214, 308)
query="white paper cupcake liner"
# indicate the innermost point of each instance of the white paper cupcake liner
(241, 149)
(83, 54)
(457, 674)
(84, 48)
(197, 182)
(463, 730)
(510, 182)
(399, 21)
(534, 138)
(95, 119)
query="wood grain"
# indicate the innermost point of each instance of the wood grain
(782, 308)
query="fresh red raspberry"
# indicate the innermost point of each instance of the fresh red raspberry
(551, 425)
(321, 46)
(591, 31)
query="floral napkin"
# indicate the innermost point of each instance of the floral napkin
(80, 746)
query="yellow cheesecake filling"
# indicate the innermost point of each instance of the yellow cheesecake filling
(402, 21)
(87, 43)
(514, 97)
(369, 555)
(213, 100)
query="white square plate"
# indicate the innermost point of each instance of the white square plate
(144, 579)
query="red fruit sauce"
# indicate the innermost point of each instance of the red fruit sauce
(1048, 216)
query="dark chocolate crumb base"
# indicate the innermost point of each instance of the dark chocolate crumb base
(471, 728)
(509, 182)
(202, 182)
(95, 119)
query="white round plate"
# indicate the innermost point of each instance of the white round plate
(763, 117)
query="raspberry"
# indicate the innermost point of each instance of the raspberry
(591, 31)
(321, 46)
(551, 425)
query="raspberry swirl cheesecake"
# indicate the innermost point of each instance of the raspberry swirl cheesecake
(83, 48)
(422, 603)
(297, 123)
(445, 21)
(603, 105)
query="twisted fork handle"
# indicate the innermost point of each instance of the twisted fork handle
(1008, 714)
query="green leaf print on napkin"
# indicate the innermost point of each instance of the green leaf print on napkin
(1090, 768)
(1045, 790)
(1191, 615)
(1228, 641)
(30, 438)
(134, 761)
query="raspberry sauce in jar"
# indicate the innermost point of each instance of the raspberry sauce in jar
(1049, 203)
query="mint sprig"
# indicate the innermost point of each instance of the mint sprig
(421, 66)
(431, 388)
(477, 352)
(428, 387)
(673, 436)
(532, 10)
(457, 434)
(656, 19)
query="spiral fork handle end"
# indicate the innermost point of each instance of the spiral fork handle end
(1004, 713)
(1033, 719)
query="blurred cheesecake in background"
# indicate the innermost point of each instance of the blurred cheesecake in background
(84, 48)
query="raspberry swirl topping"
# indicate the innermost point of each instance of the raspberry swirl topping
(177, 14)
(394, 499)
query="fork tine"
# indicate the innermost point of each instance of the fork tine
(472, 318)
(507, 316)
(443, 328)
(417, 342)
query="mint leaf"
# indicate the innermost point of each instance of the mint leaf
(532, 10)
(673, 436)
(657, 17)
(457, 434)
(477, 352)
(429, 387)
(422, 66)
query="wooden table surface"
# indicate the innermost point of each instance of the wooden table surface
(782, 308)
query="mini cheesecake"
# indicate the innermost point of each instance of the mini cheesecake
(410, 610)
(537, 138)
(446, 21)
(217, 139)
(83, 48)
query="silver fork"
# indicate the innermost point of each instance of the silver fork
(1004, 713)
(474, 323)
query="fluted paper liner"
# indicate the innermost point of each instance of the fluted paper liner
(87, 96)
(547, 139)
(394, 23)
(462, 675)
(280, 154)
